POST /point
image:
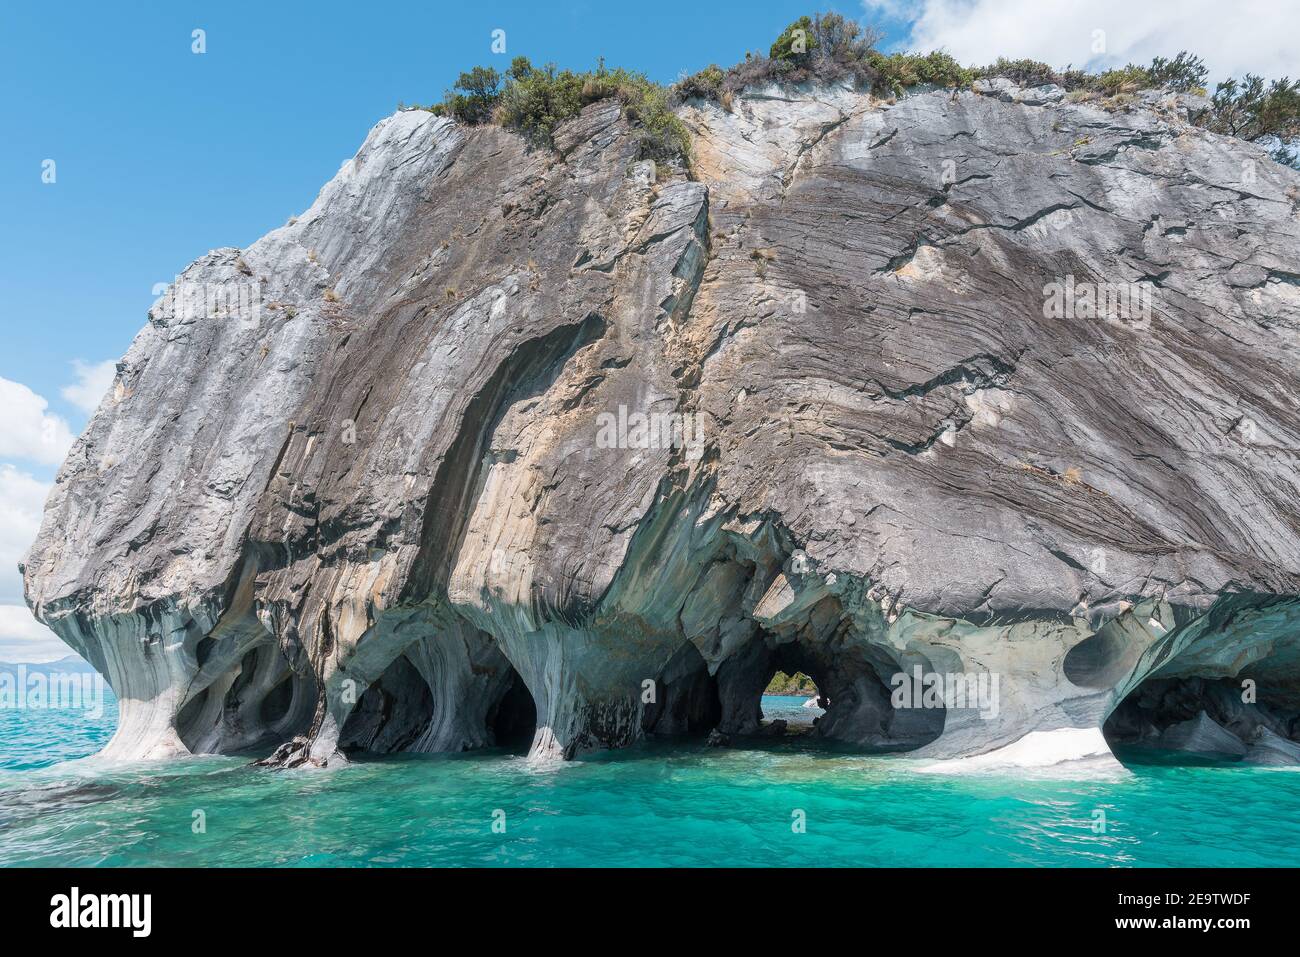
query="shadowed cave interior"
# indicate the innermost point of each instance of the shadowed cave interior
(397, 714)
(1197, 719)
(726, 707)
(1232, 698)
(1187, 710)
(260, 702)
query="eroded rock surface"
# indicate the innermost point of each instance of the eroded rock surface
(520, 436)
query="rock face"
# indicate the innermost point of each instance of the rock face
(979, 408)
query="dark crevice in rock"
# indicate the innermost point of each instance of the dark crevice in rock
(808, 146)
(976, 372)
(528, 371)
(512, 720)
(1204, 718)
(686, 702)
(392, 713)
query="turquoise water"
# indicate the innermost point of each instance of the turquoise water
(31, 739)
(651, 805)
(790, 709)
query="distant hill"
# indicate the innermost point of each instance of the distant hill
(65, 664)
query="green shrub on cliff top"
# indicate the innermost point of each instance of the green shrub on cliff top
(795, 42)
(828, 47)
(898, 71)
(535, 101)
(1184, 73)
(707, 84)
(479, 91)
(1257, 112)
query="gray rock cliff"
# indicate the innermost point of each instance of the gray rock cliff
(989, 386)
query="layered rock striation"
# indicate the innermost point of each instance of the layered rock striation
(986, 392)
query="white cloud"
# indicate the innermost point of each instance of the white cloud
(93, 380)
(27, 430)
(22, 499)
(23, 638)
(1251, 35)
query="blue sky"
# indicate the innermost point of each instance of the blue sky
(162, 154)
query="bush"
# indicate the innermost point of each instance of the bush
(796, 42)
(827, 47)
(534, 101)
(479, 91)
(713, 83)
(1126, 79)
(1024, 72)
(649, 107)
(824, 37)
(707, 84)
(1257, 112)
(1249, 109)
(1184, 73)
(897, 71)
(824, 47)
(835, 38)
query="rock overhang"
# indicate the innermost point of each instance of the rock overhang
(849, 295)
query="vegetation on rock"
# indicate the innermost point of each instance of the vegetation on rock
(828, 47)
(535, 100)
(795, 684)
(1252, 111)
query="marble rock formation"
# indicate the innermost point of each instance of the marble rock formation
(980, 408)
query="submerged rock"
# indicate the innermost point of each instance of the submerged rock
(987, 396)
(1269, 749)
(1202, 735)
